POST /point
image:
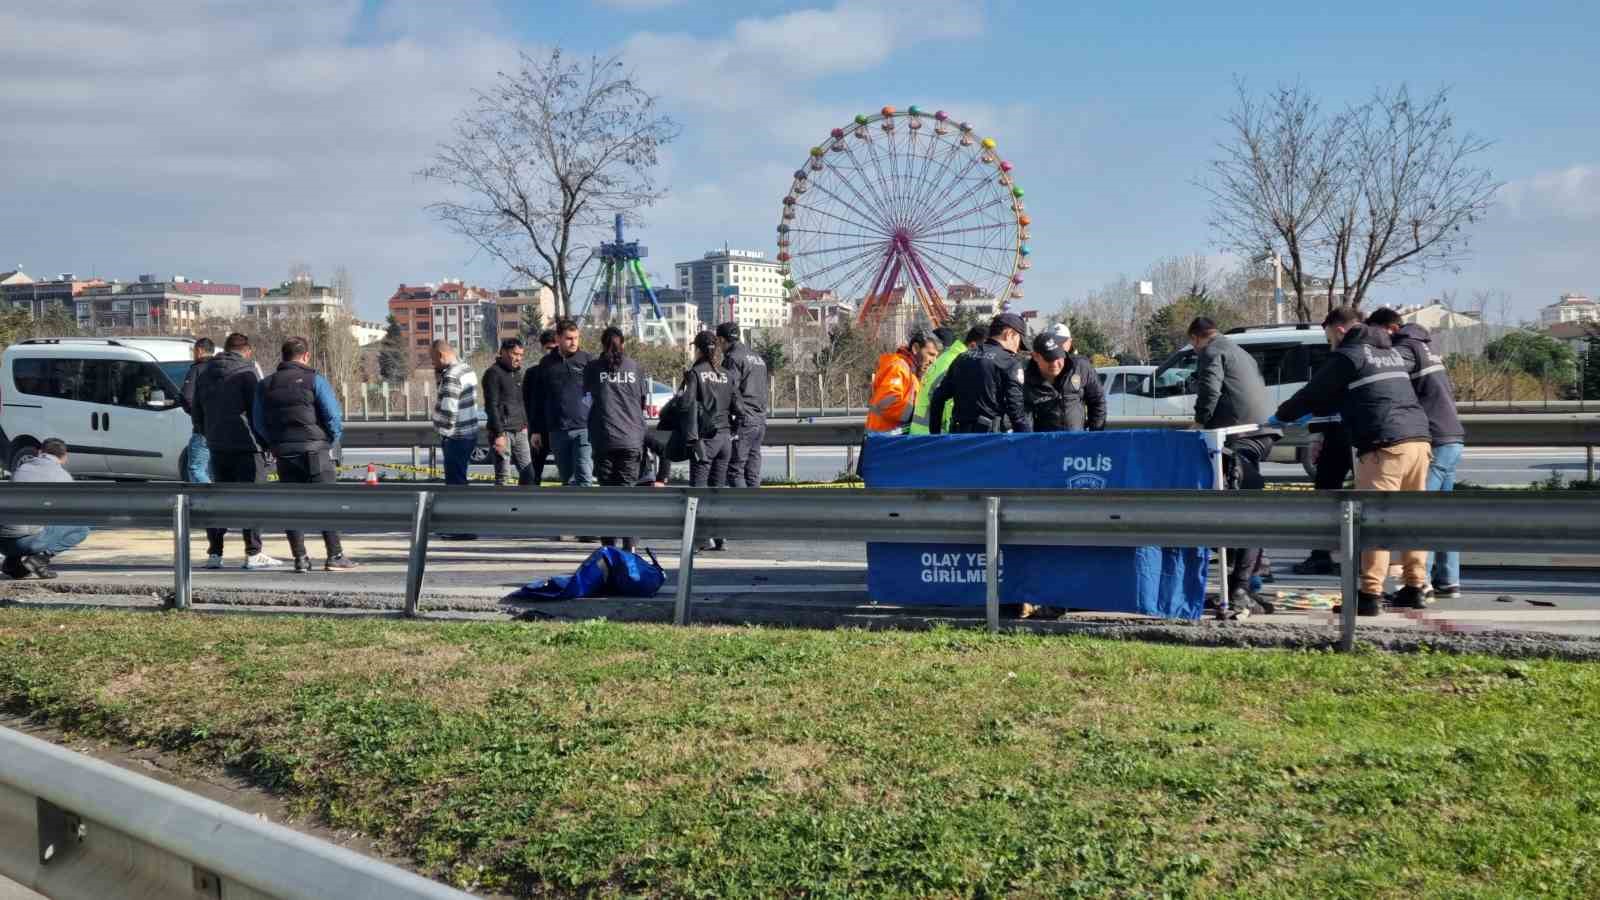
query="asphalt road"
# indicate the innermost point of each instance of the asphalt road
(135, 565)
(1488, 465)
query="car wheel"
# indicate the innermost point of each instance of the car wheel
(21, 451)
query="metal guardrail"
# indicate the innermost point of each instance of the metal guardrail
(1346, 520)
(1483, 430)
(72, 826)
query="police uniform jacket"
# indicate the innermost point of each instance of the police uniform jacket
(1073, 401)
(616, 410)
(709, 402)
(1431, 383)
(986, 387)
(749, 374)
(1368, 383)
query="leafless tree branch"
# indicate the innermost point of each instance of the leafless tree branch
(545, 159)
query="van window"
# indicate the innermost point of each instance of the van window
(1299, 365)
(126, 383)
(1176, 375)
(1272, 360)
(48, 377)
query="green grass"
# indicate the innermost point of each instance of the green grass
(609, 759)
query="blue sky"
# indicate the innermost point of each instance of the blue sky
(230, 140)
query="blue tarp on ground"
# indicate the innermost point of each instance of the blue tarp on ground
(1150, 580)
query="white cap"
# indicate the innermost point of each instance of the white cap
(1061, 331)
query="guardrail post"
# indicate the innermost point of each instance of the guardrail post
(822, 396)
(850, 459)
(386, 402)
(407, 389)
(413, 472)
(344, 399)
(847, 393)
(1349, 576)
(366, 401)
(1588, 453)
(788, 461)
(991, 563)
(680, 608)
(797, 398)
(417, 563)
(181, 571)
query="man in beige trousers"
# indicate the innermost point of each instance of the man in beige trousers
(1368, 383)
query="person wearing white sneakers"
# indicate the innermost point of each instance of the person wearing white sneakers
(224, 393)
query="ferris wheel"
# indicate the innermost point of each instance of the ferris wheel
(904, 210)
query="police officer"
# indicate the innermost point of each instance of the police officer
(748, 372)
(1432, 384)
(297, 416)
(617, 392)
(708, 406)
(1368, 383)
(986, 384)
(1063, 392)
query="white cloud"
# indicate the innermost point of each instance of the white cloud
(1570, 193)
(230, 140)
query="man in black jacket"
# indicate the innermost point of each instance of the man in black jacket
(748, 371)
(538, 438)
(1229, 392)
(224, 395)
(296, 415)
(556, 406)
(501, 385)
(1063, 392)
(1368, 383)
(985, 384)
(1437, 396)
(197, 456)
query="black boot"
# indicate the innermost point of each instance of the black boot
(1318, 563)
(13, 566)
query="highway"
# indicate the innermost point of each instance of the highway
(807, 582)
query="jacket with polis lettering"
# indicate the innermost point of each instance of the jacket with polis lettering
(1368, 383)
(749, 373)
(617, 401)
(983, 385)
(709, 402)
(1432, 384)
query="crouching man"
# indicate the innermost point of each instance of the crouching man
(28, 549)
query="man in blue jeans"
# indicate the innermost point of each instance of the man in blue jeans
(28, 549)
(455, 414)
(197, 457)
(1432, 385)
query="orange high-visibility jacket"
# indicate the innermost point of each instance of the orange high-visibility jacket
(894, 392)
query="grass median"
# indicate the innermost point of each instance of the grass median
(600, 758)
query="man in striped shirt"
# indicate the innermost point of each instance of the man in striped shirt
(455, 412)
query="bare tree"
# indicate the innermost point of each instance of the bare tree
(1407, 188)
(1175, 277)
(1111, 307)
(1276, 176)
(545, 159)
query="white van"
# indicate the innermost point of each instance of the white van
(1285, 354)
(1122, 384)
(113, 400)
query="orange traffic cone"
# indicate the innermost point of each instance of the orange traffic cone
(372, 474)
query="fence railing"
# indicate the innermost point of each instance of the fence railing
(1346, 520)
(72, 826)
